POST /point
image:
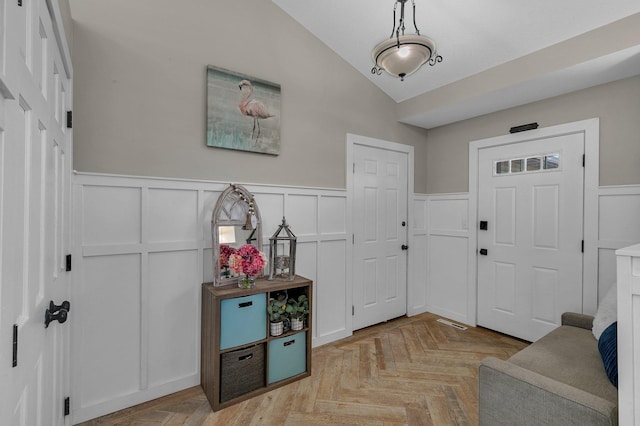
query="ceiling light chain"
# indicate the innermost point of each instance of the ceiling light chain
(405, 54)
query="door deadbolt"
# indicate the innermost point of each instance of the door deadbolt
(484, 252)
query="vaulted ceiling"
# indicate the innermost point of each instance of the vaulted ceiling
(497, 53)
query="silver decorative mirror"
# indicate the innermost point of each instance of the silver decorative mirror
(235, 222)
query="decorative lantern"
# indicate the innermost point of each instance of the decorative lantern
(282, 254)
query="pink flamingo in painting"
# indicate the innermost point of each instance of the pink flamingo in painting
(253, 108)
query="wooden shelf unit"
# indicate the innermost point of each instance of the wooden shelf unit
(212, 324)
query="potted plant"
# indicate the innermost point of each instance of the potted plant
(298, 309)
(277, 311)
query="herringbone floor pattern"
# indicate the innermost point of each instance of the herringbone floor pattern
(409, 371)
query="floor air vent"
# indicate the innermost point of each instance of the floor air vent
(452, 324)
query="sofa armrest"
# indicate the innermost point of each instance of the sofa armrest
(510, 394)
(577, 320)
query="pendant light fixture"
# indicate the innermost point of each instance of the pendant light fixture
(402, 55)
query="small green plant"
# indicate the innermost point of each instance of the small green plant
(298, 308)
(277, 310)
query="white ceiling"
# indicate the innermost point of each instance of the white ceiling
(472, 36)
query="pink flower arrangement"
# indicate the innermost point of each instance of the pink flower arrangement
(247, 260)
(225, 252)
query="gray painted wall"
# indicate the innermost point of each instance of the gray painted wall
(140, 93)
(140, 100)
(617, 105)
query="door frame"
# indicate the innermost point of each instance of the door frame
(591, 130)
(351, 141)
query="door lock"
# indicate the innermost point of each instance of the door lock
(484, 252)
(404, 247)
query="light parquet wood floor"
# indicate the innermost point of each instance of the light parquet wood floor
(409, 371)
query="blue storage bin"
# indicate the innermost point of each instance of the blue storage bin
(243, 320)
(287, 357)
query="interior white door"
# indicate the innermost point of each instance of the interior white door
(530, 195)
(380, 231)
(34, 198)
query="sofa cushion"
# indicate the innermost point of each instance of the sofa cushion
(608, 347)
(569, 355)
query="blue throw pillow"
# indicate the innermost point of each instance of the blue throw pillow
(608, 347)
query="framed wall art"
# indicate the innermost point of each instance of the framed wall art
(243, 112)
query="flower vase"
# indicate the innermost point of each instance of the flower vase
(297, 324)
(247, 281)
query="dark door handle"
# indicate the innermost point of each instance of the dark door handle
(404, 247)
(60, 316)
(484, 252)
(53, 308)
(56, 312)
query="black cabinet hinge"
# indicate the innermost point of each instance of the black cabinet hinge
(15, 346)
(68, 263)
(67, 406)
(69, 119)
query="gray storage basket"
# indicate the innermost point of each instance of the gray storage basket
(241, 372)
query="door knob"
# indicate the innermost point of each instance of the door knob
(53, 308)
(56, 313)
(60, 316)
(484, 252)
(404, 247)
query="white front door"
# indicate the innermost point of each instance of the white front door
(380, 231)
(530, 209)
(34, 199)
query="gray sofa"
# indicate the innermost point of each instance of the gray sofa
(558, 380)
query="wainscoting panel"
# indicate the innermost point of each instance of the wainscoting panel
(142, 249)
(332, 297)
(172, 340)
(619, 227)
(417, 289)
(106, 323)
(448, 240)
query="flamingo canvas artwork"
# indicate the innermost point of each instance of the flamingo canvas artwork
(243, 112)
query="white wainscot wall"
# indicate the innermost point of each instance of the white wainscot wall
(446, 256)
(448, 282)
(618, 227)
(142, 249)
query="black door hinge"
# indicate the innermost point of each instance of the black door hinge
(353, 310)
(68, 263)
(583, 160)
(69, 119)
(67, 406)
(15, 346)
(582, 248)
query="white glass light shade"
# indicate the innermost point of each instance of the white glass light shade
(406, 58)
